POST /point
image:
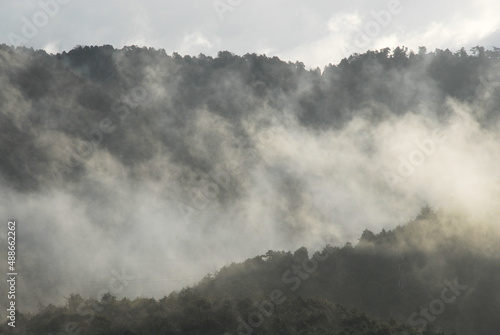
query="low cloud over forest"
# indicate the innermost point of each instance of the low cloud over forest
(162, 168)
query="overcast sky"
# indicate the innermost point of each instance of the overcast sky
(314, 32)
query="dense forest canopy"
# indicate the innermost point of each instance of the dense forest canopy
(372, 85)
(171, 166)
(389, 276)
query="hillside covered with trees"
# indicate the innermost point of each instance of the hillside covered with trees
(171, 164)
(397, 277)
(373, 85)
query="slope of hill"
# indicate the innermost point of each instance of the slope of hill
(433, 271)
(158, 94)
(132, 157)
(187, 312)
(427, 276)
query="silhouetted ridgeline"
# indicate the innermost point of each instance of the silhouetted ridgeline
(117, 85)
(429, 274)
(165, 167)
(261, 296)
(187, 312)
(398, 274)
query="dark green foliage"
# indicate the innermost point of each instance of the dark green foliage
(76, 89)
(389, 275)
(189, 312)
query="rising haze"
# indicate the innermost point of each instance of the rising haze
(168, 168)
(157, 157)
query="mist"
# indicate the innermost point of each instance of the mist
(162, 169)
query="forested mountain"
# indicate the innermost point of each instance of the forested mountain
(190, 313)
(170, 166)
(426, 277)
(399, 274)
(158, 94)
